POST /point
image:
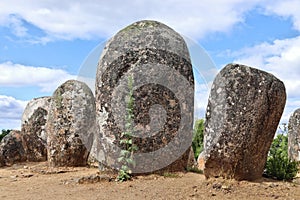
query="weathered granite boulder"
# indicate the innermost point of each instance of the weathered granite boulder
(243, 112)
(2, 161)
(157, 59)
(19, 147)
(34, 117)
(11, 148)
(70, 124)
(294, 136)
(192, 162)
(95, 148)
(34, 147)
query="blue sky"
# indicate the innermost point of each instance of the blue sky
(44, 43)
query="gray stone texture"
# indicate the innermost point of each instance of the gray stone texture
(243, 112)
(11, 149)
(2, 161)
(157, 59)
(294, 136)
(19, 147)
(34, 117)
(29, 144)
(70, 124)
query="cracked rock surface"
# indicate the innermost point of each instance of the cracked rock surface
(70, 124)
(34, 117)
(243, 112)
(157, 59)
(19, 147)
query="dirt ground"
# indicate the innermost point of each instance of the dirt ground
(36, 181)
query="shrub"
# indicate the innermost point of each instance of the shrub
(278, 165)
(198, 136)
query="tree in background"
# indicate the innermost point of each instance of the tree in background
(278, 165)
(198, 137)
(4, 133)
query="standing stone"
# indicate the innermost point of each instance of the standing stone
(70, 124)
(34, 147)
(19, 147)
(34, 117)
(243, 112)
(11, 148)
(157, 59)
(2, 161)
(294, 136)
(95, 148)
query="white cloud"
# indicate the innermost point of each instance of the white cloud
(290, 107)
(287, 9)
(11, 111)
(85, 19)
(94, 18)
(17, 27)
(281, 58)
(17, 75)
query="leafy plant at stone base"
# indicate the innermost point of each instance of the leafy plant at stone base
(278, 165)
(126, 154)
(170, 175)
(4, 133)
(197, 143)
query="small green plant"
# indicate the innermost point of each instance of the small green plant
(278, 165)
(4, 133)
(198, 136)
(126, 141)
(170, 175)
(194, 170)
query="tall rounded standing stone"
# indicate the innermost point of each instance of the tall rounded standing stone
(34, 117)
(294, 136)
(70, 124)
(243, 112)
(157, 59)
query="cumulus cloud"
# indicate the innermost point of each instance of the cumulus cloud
(11, 111)
(196, 19)
(287, 9)
(65, 19)
(17, 75)
(281, 58)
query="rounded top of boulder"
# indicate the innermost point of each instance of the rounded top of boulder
(34, 104)
(143, 24)
(71, 85)
(297, 111)
(237, 70)
(146, 34)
